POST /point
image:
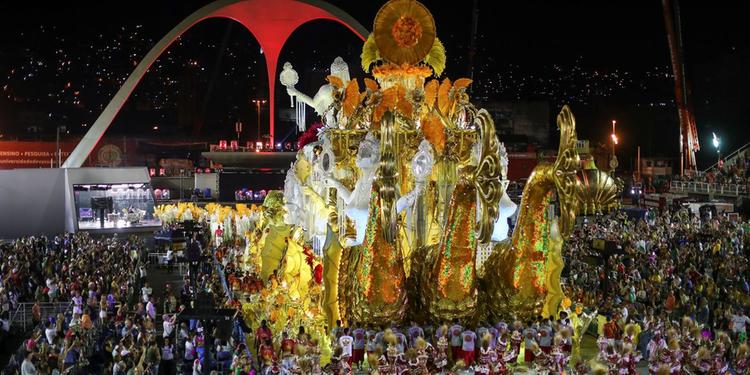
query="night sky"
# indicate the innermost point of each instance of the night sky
(608, 60)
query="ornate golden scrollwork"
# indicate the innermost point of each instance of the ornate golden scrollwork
(568, 162)
(522, 276)
(487, 176)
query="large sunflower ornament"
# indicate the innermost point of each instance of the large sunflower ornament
(404, 34)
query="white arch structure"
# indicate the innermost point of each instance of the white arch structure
(271, 22)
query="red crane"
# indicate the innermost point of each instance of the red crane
(688, 131)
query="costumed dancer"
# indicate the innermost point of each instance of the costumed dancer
(384, 368)
(742, 360)
(675, 357)
(334, 367)
(412, 362)
(270, 367)
(288, 362)
(602, 343)
(628, 361)
(314, 354)
(702, 361)
(541, 362)
(653, 348)
(440, 360)
(424, 353)
(505, 356)
(486, 355)
(629, 336)
(721, 346)
(580, 367)
(558, 357)
(501, 347)
(515, 340)
(402, 363)
(392, 352)
(610, 358)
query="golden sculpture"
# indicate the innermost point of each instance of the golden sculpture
(516, 274)
(599, 192)
(407, 176)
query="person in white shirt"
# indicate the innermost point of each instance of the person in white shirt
(346, 343)
(49, 332)
(77, 303)
(168, 325)
(142, 272)
(189, 350)
(151, 309)
(119, 366)
(53, 289)
(146, 292)
(27, 367)
(739, 325)
(468, 340)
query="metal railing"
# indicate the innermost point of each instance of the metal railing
(708, 188)
(23, 316)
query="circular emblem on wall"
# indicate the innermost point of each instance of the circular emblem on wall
(109, 155)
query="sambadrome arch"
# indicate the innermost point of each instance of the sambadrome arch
(270, 21)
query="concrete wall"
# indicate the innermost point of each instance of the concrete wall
(32, 202)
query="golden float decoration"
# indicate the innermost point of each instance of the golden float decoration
(418, 260)
(404, 32)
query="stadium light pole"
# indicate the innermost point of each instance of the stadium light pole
(258, 103)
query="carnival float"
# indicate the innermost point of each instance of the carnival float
(395, 208)
(403, 192)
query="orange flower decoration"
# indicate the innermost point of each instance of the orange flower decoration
(393, 98)
(371, 85)
(402, 104)
(430, 93)
(444, 99)
(388, 102)
(434, 131)
(335, 82)
(390, 70)
(462, 83)
(406, 31)
(352, 98)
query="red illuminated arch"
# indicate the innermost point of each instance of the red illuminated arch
(271, 22)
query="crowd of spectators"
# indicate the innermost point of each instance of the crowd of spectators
(92, 279)
(113, 320)
(734, 172)
(650, 273)
(670, 287)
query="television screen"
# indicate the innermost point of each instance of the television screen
(85, 213)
